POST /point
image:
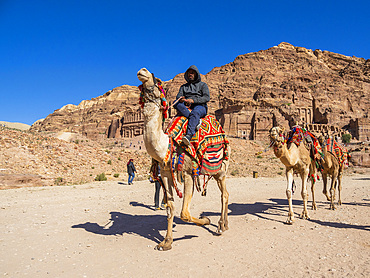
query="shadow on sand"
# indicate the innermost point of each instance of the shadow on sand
(278, 209)
(147, 226)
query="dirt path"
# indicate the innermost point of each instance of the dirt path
(109, 229)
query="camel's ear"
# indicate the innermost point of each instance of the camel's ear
(281, 129)
(159, 81)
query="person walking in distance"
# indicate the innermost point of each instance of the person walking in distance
(158, 190)
(193, 95)
(131, 171)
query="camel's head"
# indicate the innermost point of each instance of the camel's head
(276, 134)
(145, 76)
(149, 87)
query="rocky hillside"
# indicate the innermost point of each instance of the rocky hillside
(287, 82)
(28, 159)
(283, 84)
(32, 159)
(15, 125)
(91, 118)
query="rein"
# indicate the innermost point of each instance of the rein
(147, 95)
(265, 150)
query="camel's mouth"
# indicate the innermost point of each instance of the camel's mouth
(143, 75)
(143, 78)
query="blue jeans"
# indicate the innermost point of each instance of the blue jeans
(131, 177)
(198, 112)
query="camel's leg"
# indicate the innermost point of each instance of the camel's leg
(314, 207)
(340, 188)
(332, 189)
(304, 194)
(223, 223)
(166, 244)
(289, 176)
(188, 194)
(325, 181)
(313, 174)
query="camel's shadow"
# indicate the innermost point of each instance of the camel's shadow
(177, 220)
(263, 210)
(147, 226)
(279, 207)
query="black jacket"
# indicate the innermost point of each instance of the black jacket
(131, 168)
(196, 90)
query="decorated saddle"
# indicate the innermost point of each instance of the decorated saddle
(208, 147)
(339, 151)
(300, 135)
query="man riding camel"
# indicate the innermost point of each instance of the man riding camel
(194, 95)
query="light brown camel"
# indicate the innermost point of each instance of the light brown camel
(334, 169)
(156, 143)
(295, 159)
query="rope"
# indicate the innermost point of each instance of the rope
(265, 150)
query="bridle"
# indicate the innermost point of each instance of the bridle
(148, 94)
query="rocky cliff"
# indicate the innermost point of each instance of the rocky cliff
(281, 85)
(91, 118)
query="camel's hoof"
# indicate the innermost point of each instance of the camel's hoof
(163, 248)
(207, 220)
(305, 216)
(219, 232)
(340, 202)
(289, 222)
(221, 229)
(314, 207)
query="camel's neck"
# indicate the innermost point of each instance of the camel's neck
(156, 141)
(287, 156)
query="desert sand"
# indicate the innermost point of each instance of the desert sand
(110, 229)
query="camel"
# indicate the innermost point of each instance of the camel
(334, 169)
(295, 159)
(157, 144)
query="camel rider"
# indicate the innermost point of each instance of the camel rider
(194, 95)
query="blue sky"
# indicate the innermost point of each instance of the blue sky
(53, 53)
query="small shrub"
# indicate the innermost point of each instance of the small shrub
(107, 151)
(116, 175)
(110, 162)
(234, 172)
(259, 156)
(101, 177)
(280, 173)
(119, 158)
(58, 181)
(92, 167)
(346, 138)
(77, 141)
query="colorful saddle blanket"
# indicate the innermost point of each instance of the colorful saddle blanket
(338, 150)
(298, 134)
(208, 145)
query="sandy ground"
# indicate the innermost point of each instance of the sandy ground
(66, 231)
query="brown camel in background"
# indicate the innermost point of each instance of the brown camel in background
(334, 169)
(295, 159)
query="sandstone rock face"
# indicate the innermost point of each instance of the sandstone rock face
(91, 118)
(38, 159)
(287, 85)
(282, 85)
